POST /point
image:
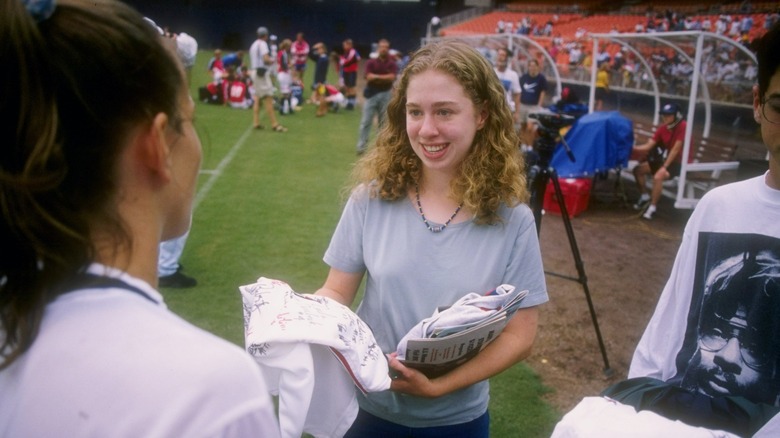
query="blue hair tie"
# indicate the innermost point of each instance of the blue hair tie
(40, 9)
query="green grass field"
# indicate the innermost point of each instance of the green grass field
(267, 204)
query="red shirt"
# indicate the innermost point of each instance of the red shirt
(235, 91)
(349, 61)
(300, 51)
(666, 138)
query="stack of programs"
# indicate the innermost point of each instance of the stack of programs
(453, 335)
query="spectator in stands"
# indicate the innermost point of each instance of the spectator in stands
(603, 56)
(735, 27)
(729, 70)
(770, 19)
(575, 60)
(524, 26)
(548, 28)
(746, 25)
(629, 72)
(662, 155)
(618, 62)
(100, 163)
(721, 26)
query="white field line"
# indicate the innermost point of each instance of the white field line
(216, 173)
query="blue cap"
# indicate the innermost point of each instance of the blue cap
(670, 108)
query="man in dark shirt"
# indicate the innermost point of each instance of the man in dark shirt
(380, 73)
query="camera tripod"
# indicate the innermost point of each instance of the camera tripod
(540, 173)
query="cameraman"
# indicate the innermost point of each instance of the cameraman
(662, 157)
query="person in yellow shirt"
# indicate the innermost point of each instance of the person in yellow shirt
(602, 85)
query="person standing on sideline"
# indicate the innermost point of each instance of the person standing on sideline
(300, 52)
(443, 186)
(284, 76)
(262, 64)
(321, 65)
(169, 270)
(89, 186)
(511, 82)
(348, 66)
(380, 74)
(533, 84)
(662, 158)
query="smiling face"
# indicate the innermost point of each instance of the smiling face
(441, 121)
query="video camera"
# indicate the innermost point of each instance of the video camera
(550, 125)
(552, 121)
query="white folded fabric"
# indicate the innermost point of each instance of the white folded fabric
(471, 308)
(601, 417)
(313, 351)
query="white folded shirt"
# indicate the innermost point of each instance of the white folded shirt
(313, 351)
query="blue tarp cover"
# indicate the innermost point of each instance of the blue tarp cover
(600, 141)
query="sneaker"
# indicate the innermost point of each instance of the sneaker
(641, 203)
(177, 280)
(649, 213)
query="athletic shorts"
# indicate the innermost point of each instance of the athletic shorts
(350, 79)
(263, 85)
(674, 169)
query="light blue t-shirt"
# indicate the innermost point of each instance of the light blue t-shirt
(412, 271)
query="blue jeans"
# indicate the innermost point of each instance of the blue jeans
(370, 426)
(374, 105)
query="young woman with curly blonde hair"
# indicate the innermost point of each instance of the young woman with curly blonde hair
(436, 212)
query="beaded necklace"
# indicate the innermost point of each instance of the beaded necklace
(433, 229)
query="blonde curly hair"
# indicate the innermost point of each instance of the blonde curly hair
(492, 173)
